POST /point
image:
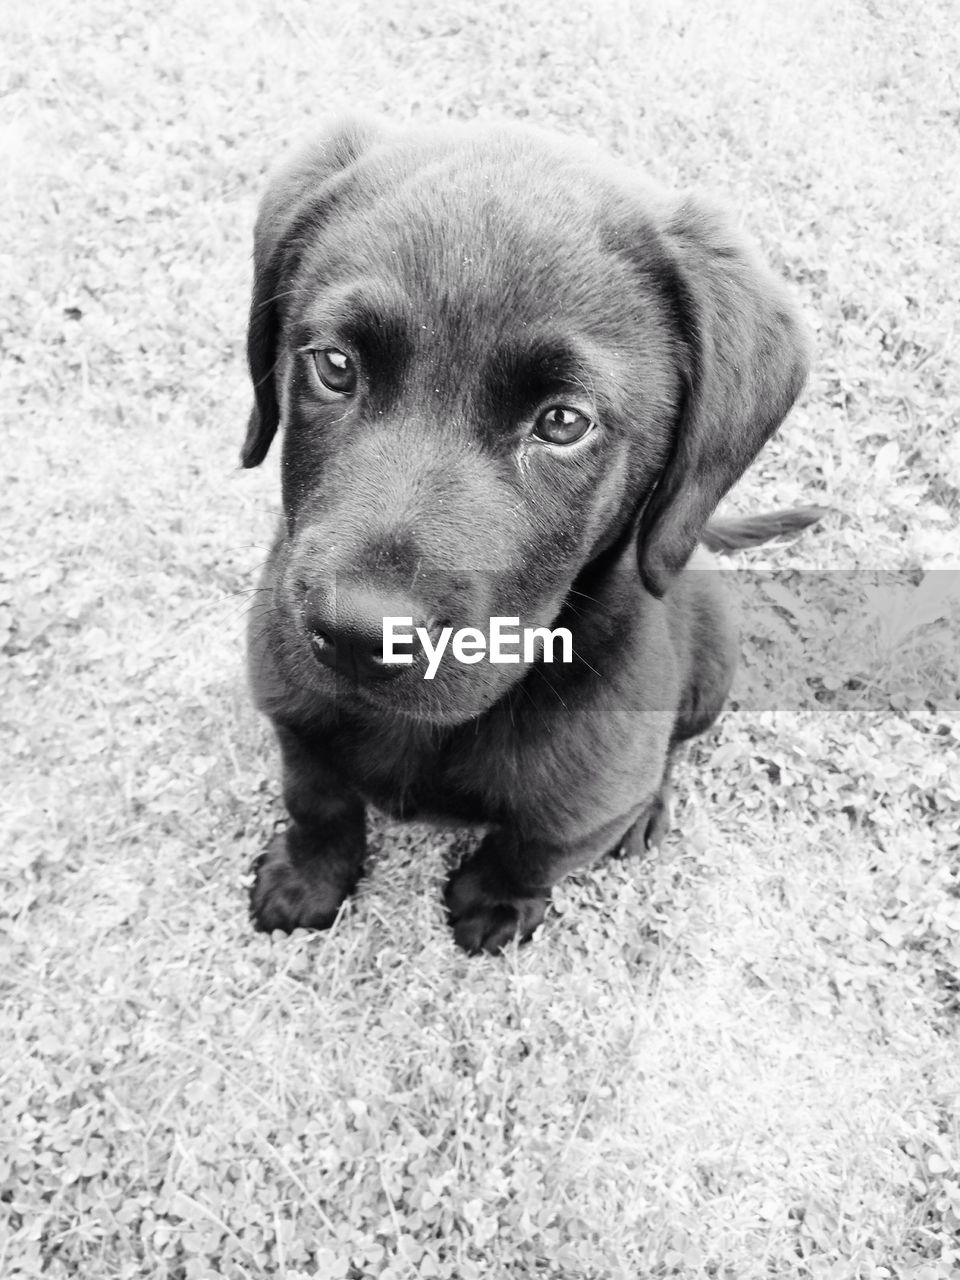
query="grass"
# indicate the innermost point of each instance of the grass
(737, 1059)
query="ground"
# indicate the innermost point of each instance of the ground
(737, 1058)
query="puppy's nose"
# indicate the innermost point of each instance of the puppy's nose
(345, 625)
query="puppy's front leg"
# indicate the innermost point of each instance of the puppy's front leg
(491, 899)
(501, 891)
(307, 870)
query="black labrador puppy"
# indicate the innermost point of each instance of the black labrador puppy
(514, 382)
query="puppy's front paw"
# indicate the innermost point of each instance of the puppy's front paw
(486, 914)
(658, 820)
(287, 895)
(649, 832)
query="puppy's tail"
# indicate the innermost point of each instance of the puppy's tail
(750, 531)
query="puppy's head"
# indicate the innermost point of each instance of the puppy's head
(493, 357)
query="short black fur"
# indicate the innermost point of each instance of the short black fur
(529, 275)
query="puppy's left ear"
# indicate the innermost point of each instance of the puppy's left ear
(744, 359)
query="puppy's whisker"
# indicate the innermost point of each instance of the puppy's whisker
(586, 663)
(592, 600)
(267, 302)
(543, 676)
(522, 689)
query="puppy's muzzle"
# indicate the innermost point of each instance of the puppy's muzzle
(345, 623)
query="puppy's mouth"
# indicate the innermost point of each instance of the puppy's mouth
(430, 683)
(440, 648)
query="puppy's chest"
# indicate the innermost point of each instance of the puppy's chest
(409, 772)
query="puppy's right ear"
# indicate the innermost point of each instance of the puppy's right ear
(295, 191)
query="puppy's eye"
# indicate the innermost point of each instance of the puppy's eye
(335, 370)
(561, 425)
